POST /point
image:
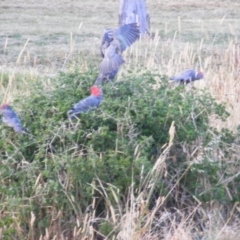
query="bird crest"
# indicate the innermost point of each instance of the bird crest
(4, 105)
(199, 75)
(95, 91)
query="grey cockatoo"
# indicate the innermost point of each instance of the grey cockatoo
(10, 118)
(114, 42)
(187, 76)
(87, 103)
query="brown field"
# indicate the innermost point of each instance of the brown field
(41, 38)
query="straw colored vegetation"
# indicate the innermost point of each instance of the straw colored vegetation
(155, 161)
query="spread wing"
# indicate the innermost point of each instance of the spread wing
(127, 35)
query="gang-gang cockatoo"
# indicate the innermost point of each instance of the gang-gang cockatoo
(87, 103)
(114, 42)
(10, 118)
(187, 76)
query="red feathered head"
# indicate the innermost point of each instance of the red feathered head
(95, 91)
(199, 75)
(4, 106)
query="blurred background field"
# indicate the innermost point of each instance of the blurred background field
(42, 37)
(49, 56)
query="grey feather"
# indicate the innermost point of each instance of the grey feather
(10, 118)
(84, 105)
(187, 76)
(125, 35)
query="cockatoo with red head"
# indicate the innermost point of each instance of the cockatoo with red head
(87, 103)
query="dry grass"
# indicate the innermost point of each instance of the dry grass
(40, 38)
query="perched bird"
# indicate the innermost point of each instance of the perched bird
(87, 103)
(187, 76)
(10, 118)
(114, 42)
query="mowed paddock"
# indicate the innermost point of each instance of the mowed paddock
(39, 39)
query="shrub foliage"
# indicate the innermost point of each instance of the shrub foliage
(54, 167)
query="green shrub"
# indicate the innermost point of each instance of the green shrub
(117, 143)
